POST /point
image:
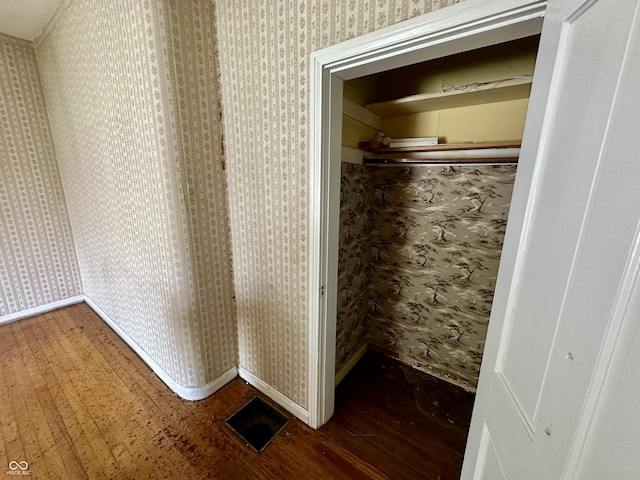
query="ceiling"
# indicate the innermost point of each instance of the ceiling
(25, 18)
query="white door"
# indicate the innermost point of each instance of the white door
(569, 267)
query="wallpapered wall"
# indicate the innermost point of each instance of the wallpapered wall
(435, 237)
(264, 62)
(135, 118)
(134, 106)
(37, 259)
(354, 261)
(191, 62)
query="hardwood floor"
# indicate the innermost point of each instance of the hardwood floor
(77, 403)
(407, 423)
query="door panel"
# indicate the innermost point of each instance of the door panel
(585, 95)
(491, 467)
(603, 253)
(583, 216)
(505, 424)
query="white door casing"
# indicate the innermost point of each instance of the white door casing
(571, 286)
(462, 27)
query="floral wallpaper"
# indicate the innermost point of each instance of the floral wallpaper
(147, 125)
(435, 242)
(189, 33)
(133, 98)
(38, 263)
(265, 47)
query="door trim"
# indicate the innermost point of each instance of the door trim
(465, 26)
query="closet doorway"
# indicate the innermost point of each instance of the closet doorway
(457, 29)
(429, 158)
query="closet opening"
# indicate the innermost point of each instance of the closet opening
(463, 27)
(429, 159)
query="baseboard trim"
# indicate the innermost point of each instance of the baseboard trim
(434, 372)
(31, 312)
(187, 393)
(275, 395)
(410, 362)
(350, 363)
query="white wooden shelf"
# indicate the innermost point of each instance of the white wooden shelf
(425, 102)
(443, 147)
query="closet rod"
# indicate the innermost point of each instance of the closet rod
(407, 162)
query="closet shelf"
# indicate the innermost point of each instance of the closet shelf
(445, 147)
(488, 92)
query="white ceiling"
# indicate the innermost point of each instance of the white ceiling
(25, 18)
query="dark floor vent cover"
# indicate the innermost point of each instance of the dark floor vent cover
(257, 423)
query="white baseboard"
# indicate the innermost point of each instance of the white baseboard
(187, 393)
(275, 395)
(350, 363)
(30, 312)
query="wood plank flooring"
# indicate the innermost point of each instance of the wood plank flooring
(407, 423)
(77, 403)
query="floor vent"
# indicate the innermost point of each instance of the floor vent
(257, 423)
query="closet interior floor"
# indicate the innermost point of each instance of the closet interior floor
(405, 423)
